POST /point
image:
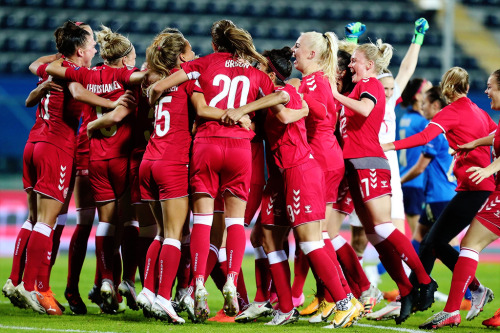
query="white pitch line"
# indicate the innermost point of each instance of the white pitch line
(49, 329)
(399, 329)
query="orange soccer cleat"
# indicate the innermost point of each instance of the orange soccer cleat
(221, 317)
(49, 302)
(493, 321)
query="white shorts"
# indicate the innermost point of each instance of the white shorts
(397, 207)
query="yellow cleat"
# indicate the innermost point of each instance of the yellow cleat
(345, 318)
(312, 307)
(325, 310)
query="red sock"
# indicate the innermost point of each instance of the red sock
(213, 258)
(474, 285)
(349, 261)
(333, 256)
(56, 238)
(150, 278)
(404, 249)
(300, 270)
(324, 267)
(235, 246)
(43, 278)
(77, 253)
(129, 249)
(262, 276)
(392, 263)
(463, 274)
(280, 271)
(104, 249)
(200, 244)
(170, 256)
(184, 271)
(38, 246)
(19, 256)
(241, 288)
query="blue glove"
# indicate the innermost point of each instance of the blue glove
(421, 27)
(353, 31)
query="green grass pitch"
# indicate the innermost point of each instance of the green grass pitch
(17, 320)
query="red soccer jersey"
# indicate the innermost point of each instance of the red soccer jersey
(171, 138)
(320, 132)
(463, 121)
(226, 83)
(360, 133)
(58, 116)
(143, 122)
(288, 142)
(106, 82)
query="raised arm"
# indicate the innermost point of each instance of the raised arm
(43, 60)
(137, 77)
(410, 60)
(417, 169)
(419, 139)
(56, 70)
(39, 92)
(160, 86)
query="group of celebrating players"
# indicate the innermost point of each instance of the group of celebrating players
(187, 134)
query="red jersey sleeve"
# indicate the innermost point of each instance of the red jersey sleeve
(492, 126)
(41, 72)
(194, 68)
(266, 85)
(78, 74)
(364, 87)
(446, 119)
(123, 75)
(192, 87)
(419, 139)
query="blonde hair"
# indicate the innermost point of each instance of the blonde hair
(327, 46)
(113, 45)
(347, 46)
(380, 53)
(163, 53)
(227, 37)
(454, 82)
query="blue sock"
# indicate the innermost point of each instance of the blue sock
(416, 245)
(381, 269)
(457, 248)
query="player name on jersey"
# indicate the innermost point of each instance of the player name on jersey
(235, 63)
(103, 88)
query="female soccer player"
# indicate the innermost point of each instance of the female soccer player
(462, 121)
(484, 229)
(368, 171)
(109, 152)
(221, 154)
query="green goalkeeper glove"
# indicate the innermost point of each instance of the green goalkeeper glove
(354, 30)
(421, 27)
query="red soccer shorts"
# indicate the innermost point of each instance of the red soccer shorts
(273, 207)
(221, 163)
(489, 215)
(108, 178)
(163, 180)
(344, 202)
(47, 169)
(304, 193)
(332, 182)
(372, 183)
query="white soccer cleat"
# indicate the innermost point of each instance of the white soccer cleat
(29, 298)
(163, 310)
(109, 300)
(281, 318)
(186, 302)
(127, 290)
(9, 291)
(390, 311)
(370, 297)
(480, 297)
(201, 309)
(145, 301)
(253, 311)
(231, 306)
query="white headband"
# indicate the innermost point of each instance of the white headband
(380, 76)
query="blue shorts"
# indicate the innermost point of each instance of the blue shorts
(431, 212)
(413, 200)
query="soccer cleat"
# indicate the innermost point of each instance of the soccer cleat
(493, 321)
(221, 317)
(9, 291)
(29, 298)
(254, 311)
(76, 304)
(345, 318)
(281, 318)
(179, 294)
(201, 310)
(162, 309)
(108, 295)
(480, 297)
(390, 311)
(325, 310)
(312, 307)
(48, 301)
(187, 303)
(298, 301)
(145, 301)
(370, 297)
(127, 290)
(231, 306)
(442, 319)
(408, 306)
(426, 295)
(358, 306)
